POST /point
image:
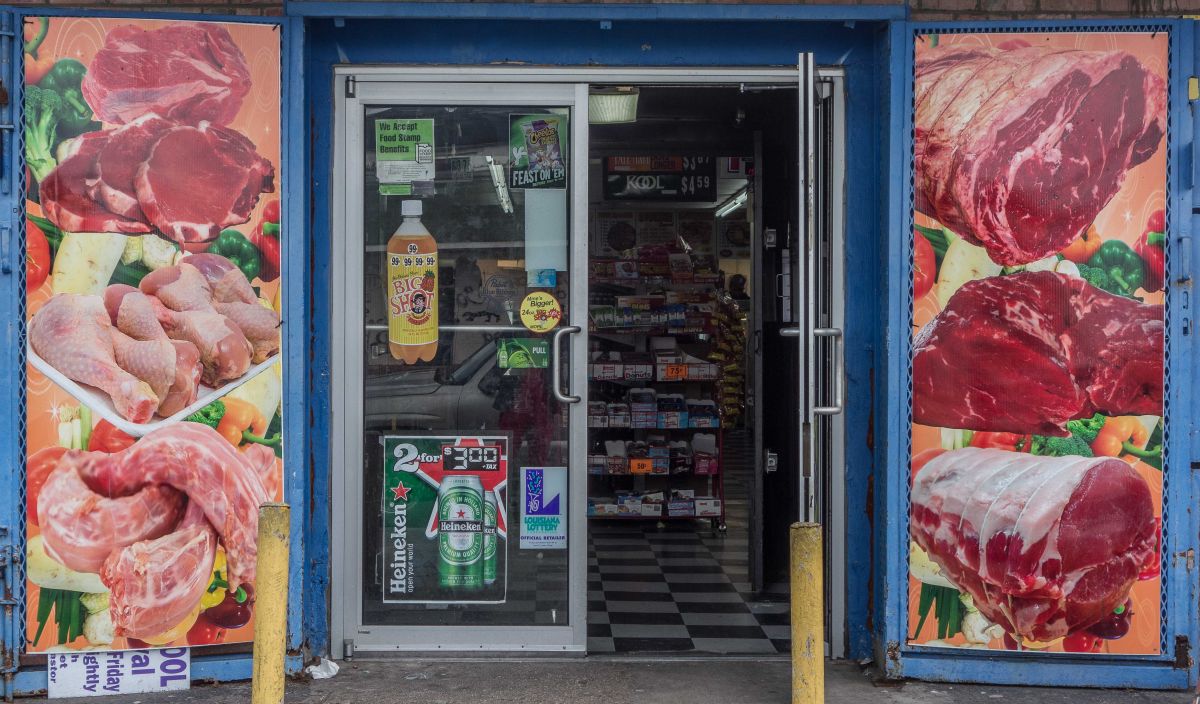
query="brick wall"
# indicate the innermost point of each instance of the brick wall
(221, 7)
(921, 9)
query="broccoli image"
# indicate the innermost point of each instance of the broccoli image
(210, 415)
(42, 108)
(1086, 429)
(1097, 277)
(1059, 447)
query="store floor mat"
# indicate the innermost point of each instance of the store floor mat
(677, 588)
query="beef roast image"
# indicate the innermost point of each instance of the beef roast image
(1044, 545)
(1027, 352)
(187, 72)
(1019, 150)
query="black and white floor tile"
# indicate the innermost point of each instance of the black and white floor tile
(680, 586)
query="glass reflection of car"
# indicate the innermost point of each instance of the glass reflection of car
(437, 397)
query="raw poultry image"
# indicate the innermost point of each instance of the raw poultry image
(149, 519)
(148, 349)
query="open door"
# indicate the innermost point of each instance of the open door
(809, 318)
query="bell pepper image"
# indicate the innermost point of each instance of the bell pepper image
(1150, 247)
(1013, 442)
(266, 237)
(234, 246)
(1083, 247)
(1122, 265)
(75, 116)
(242, 423)
(35, 34)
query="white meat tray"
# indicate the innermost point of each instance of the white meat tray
(100, 403)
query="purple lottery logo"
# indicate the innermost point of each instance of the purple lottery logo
(535, 488)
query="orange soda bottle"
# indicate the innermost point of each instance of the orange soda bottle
(412, 288)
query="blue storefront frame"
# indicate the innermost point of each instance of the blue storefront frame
(1175, 667)
(874, 45)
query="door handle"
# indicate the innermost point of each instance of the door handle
(6, 266)
(556, 364)
(839, 373)
(789, 332)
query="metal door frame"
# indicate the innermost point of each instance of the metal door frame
(511, 77)
(347, 367)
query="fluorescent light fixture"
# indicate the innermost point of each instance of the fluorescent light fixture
(612, 106)
(733, 203)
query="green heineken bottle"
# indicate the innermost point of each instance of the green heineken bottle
(489, 538)
(460, 532)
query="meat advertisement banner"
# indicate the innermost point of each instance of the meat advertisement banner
(1038, 341)
(445, 519)
(153, 328)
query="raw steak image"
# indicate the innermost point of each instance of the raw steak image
(186, 72)
(188, 182)
(218, 188)
(1044, 545)
(117, 163)
(66, 195)
(1018, 150)
(1027, 352)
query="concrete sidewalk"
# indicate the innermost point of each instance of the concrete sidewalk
(626, 681)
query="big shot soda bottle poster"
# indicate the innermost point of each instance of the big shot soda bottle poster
(154, 373)
(445, 527)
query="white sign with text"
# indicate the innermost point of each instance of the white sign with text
(103, 673)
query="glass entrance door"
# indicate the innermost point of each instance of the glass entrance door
(461, 351)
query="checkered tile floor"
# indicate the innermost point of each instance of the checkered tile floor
(678, 586)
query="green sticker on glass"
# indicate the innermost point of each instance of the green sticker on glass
(404, 153)
(523, 353)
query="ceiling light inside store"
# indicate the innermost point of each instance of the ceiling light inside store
(733, 204)
(612, 106)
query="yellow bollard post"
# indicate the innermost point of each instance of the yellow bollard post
(270, 603)
(808, 614)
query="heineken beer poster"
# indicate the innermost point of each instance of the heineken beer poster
(445, 519)
(544, 508)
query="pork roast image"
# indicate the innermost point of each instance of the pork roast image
(1019, 150)
(187, 72)
(1044, 545)
(1027, 352)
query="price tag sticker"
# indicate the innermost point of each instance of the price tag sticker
(675, 372)
(640, 465)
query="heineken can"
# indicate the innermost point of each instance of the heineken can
(460, 532)
(489, 538)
